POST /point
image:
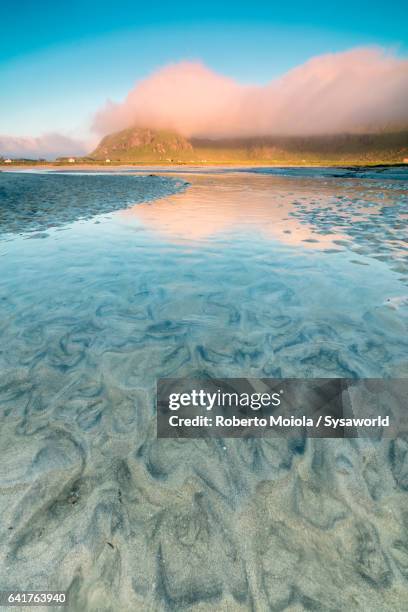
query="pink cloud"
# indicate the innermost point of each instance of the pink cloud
(48, 146)
(361, 89)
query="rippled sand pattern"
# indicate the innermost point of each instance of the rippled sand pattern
(91, 316)
(33, 202)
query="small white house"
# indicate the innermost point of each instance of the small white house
(71, 160)
(107, 161)
(7, 161)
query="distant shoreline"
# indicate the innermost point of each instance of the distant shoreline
(148, 165)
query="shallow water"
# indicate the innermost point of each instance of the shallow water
(238, 274)
(31, 201)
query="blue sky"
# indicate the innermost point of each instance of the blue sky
(59, 62)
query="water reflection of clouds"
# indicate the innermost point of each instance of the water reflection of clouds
(214, 206)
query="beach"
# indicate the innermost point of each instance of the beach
(211, 273)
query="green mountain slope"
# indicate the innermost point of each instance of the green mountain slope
(144, 145)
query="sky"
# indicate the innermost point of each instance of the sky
(62, 65)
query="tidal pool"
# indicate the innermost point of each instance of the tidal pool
(109, 282)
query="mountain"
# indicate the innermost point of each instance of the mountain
(142, 144)
(145, 145)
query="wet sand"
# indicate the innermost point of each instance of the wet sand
(204, 282)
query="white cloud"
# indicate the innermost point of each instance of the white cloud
(48, 146)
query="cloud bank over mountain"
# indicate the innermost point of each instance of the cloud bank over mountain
(364, 89)
(49, 146)
(361, 90)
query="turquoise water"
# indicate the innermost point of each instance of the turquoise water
(233, 274)
(121, 293)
